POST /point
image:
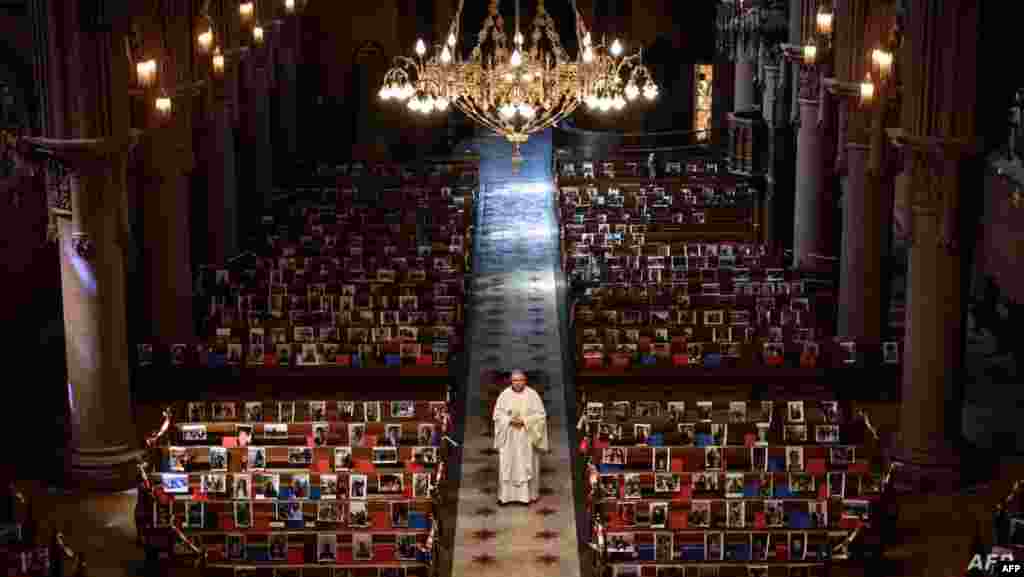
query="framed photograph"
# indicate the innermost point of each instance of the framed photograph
(329, 512)
(818, 511)
(795, 412)
(390, 483)
(620, 543)
(371, 411)
(358, 516)
(195, 514)
(400, 514)
(266, 485)
(275, 431)
(320, 434)
(676, 410)
(300, 456)
(713, 458)
(214, 484)
(762, 434)
(891, 353)
(640, 433)
(737, 412)
(356, 434)
(362, 546)
(342, 458)
(327, 547)
(193, 433)
(243, 514)
(733, 485)
(425, 434)
(620, 410)
(424, 455)
(735, 514)
(837, 484)
(704, 482)
(759, 458)
(299, 486)
(687, 433)
(719, 433)
(609, 432)
(254, 411)
(648, 409)
(405, 547)
(856, 509)
(631, 486)
(218, 459)
(234, 547)
(797, 546)
(774, 515)
(759, 552)
(392, 434)
(286, 412)
(613, 456)
(357, 486)
(713, 546)
(278, 546)
(667, 483)
(659, 515)
(317, 411)
(841, 456)
(328, 487)
(826, 433)
(346, 410)
(421, 485)
(175, 483)
(704, 411)
(801, 483)
(244, 435)
(403, 409)
(385, 455)
(794, 433)
(794, 458)
(662, 460)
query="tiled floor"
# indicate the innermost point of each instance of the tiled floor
(515, 325)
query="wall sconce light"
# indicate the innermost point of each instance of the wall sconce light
(867, 90)
(824, 22)
(246, 10)
(205, 40)
(257, 34)
(810, 53)
(421, 47)
(145, 72)
(218, 61)
(163, 106)
(882, 61)
(289, 6)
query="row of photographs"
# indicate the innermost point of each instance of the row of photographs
(737, 514)
(715, 461)
(761, 545)
(789, 570)
(735, 484)
(324, 571)
(181, 459)
(354, 514)
(268, 485)
(329, 354)
(315, 411)
(676, 410)
(327, 548)
(719, 432)
(322, 434)
(608, 169)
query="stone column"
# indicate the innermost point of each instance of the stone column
(746, 65)
(938, 132)
(258, 154)
(222, 187)
(795, 39)
(809, 180)
(860, 296)
(288, 82)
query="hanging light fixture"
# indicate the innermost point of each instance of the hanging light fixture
(810, 53)
(512, 88)
(257, 34)
(163, 105)
(145, 73)
(882, 61)
(205, 40)
(218, 61)
(246, 11)
(289, 6)
(867, 90)
(823, 21)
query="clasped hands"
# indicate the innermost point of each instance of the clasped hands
(518, 423)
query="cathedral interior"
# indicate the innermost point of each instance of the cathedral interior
(274, 263)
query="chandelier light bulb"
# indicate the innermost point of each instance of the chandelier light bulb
(588, 55)
(428, 103)
(619, 103)
(517, 58)
(810, 54)
(218, 61)
(163, 106)
(519, 38)
(421, 47)
(507, 111)
(246, 11)
(257, 34)
(289, 6)
(385, 92)
(586, 39)
(441, 104)
(526, 111)
(593, 101)
(414, 104)
(616, 49)
(632, 91)
(867, 90)
(650, 91)
(146, 72)
(451, 40)
(446, 55)
(205, 40)
(882, 61)
(824, 22)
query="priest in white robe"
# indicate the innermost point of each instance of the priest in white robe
(520, 435)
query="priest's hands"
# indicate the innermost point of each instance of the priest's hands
(518, 423)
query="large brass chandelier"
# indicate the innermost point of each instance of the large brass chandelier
(519, 92)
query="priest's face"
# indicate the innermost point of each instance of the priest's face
(518, 381)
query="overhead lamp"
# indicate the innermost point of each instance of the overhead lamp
(810, 54)
(289, 6)
(632, 91)
(163, 105)
(205, 40)
(516, 59)
(218, 61)
(145, 72)
(883, 62)
(257, 34)
(824, 22)
(650, 90)
(616, 48)
(246, 10)
(867, 90)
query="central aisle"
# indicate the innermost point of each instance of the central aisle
(515, 325)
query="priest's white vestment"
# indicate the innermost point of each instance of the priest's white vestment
(519, 448)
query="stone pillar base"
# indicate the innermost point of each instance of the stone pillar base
(113, 469)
